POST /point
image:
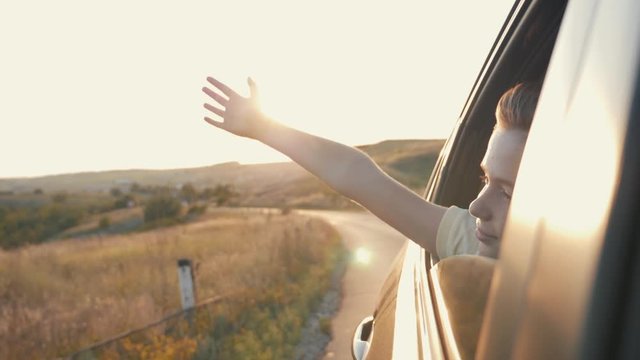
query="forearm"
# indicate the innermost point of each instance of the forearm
(346, 169)
(332, 162)
(354, 174)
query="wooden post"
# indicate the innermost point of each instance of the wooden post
(186, 283)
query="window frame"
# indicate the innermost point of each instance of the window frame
(452, 183)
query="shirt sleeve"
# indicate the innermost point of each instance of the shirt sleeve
(456, 234)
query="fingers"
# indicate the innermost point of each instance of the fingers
(215, 96)
(218, 124)
(222, 87)
(214, 110)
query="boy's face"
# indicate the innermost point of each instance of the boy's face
(500, 166)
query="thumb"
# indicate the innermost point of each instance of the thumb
(253, 89)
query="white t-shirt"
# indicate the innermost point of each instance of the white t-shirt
(456, 234)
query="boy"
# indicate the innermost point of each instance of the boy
(441, 231)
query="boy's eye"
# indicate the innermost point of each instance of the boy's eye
(506, 194)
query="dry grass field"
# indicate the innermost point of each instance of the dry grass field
(58, 297)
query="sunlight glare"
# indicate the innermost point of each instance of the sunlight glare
(382, 70)
(362, 256)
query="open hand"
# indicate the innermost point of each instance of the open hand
(239, 115)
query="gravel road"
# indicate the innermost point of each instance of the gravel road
(373, 245)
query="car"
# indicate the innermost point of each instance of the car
(566, 284)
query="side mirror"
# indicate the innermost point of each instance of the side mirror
(361, 338)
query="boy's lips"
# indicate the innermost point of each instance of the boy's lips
(485, 238)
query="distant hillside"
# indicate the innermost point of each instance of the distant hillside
(275, 184)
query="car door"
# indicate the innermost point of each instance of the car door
(563, 285)
(566, 283)
(411, 319)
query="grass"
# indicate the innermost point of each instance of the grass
(120, 221)
(325, 326)
(58, 297)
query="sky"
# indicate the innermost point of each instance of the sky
(92, 86)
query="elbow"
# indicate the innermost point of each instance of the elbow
(355, 174)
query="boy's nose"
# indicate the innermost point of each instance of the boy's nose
(479, 208)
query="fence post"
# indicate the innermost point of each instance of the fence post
(186, 283)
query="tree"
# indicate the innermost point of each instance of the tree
(224, 194)
(207, 194)
(59, 197)
(123, 202)
(135, 187)
(188, 192)
(161, 207)
(115, 192)
(104, 223)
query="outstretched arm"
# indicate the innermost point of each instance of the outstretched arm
(346, 169)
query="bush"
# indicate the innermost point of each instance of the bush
(123, 202)
(161, 207)
(196, 210)
(224, 194)
(188, 193)
(207, 194)
(59, 197)
(22, 226)
(105, 222)
(325, 326)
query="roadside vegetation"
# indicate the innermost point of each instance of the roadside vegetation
(271, 268)
(84, 257)
(232, 184)
(34, 218)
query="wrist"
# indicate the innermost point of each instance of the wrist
(266, 126)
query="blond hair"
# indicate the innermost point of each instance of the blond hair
(517, 105)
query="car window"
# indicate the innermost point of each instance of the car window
(460, 285)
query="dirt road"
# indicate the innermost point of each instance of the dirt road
(370, 239)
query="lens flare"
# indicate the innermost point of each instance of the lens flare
(362, 256)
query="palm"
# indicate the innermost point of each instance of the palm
(240, 115)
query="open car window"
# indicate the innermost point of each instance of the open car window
(566, 279)
(521, 53)
(459, 286)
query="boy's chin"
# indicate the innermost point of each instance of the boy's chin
(488, 251)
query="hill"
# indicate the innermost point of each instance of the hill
(276, 184)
